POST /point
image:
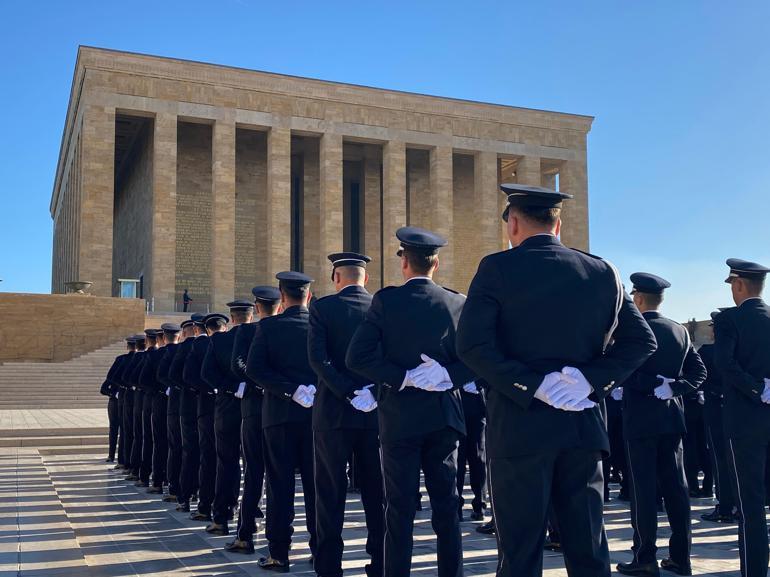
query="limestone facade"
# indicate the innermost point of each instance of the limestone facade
(212, 178)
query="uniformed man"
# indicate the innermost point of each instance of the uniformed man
(615, 464)
(653, 426)
(207, 465)
(471, 450)
(526, 332)
(267, 302)
(127, 388)
(155, 391)
(724, 511)
(148, 397)
(407, 346)
(344, 418)
(216, 370)
(188, 414)
(141, 460)
(741, 355)
(172, 333)
(110, 389)
(278, 363)
(695, 450)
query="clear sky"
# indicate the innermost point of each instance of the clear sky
(679, 161)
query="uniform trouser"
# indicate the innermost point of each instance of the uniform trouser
(188, 474)
(617, 458)
(471, 451)
(524, 487)
(696, 455)
(127, 430)
(227, 429)
(747, 458)
(333, 449)
(159, 439)
(715, 437)
(288, 447)
(207, 469)
(174, 461)
(136, 445)
(655, 465)
(436, 454)
(253, 476)
(114, 418)
(146, 466)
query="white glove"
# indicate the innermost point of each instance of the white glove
(303, 397)
(617, 393)
(168, 391)
(471, 388)
(701, 398)
(430, 376)
(364, 400)
(766, 393)
(562, 391)
(664, 392)
(241, 390)
(117, 395)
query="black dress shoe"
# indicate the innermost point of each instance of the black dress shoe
(218, 529)
(198, 516)
(141, 483)
(675, 567)
(170, 498)
(108, 460)
(477, 516)
(716, 517)
(183, 507)
(487, 528)
(155, 490)
(638, 568)
(270, 564)
(238, 546)
(132, 477)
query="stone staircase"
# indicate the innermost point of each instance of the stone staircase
(69, 384)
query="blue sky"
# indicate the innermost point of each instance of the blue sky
(678, 154)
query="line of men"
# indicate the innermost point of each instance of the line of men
(545, 335)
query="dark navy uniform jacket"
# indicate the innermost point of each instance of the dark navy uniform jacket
(532, 310)
(148, 378)
(418, 317)
(278, 363)
(333, 320)
(176, 368)
(644, 415)
(712, 386)
(742, 355)
(251, 403)
(164, 368)
(110, 385)
(192, 375)
(215, 369)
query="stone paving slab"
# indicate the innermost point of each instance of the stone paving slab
(122, 531)
(25, 419)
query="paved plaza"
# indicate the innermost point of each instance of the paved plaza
(70, 515)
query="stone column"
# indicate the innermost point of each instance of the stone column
(393, 208)
(223, 213)
(330, 213)
(94, 245)
(372, 220)
(440, 205)
(486, 193)
(573, 179)
(277, 226)
(163, 266)
(528, 170)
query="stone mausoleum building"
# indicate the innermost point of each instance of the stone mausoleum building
(175, 174)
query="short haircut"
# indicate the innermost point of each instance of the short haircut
(420, 261)
(267, 309)
(651, 299)
(294, 293)
(351, 273)
(241, 315)
(215, 323)
(131, 346)
(754, 285)
(538, 214)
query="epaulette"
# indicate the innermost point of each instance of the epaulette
(586, 253)
(451, 290)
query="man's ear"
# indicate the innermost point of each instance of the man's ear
(366, 278)
(558, 227)
(438, 262)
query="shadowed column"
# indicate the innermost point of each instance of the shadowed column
(223, 214)
(163, 267)
(330, 214)
(441, 213)
(372, 215)
(573, 179)
(275, 236)
(393, 208)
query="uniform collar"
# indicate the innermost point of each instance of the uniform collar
(652, 315)
(352, 288)
(542, 239)
(295, 310)
(754, 300)
(420, 280)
